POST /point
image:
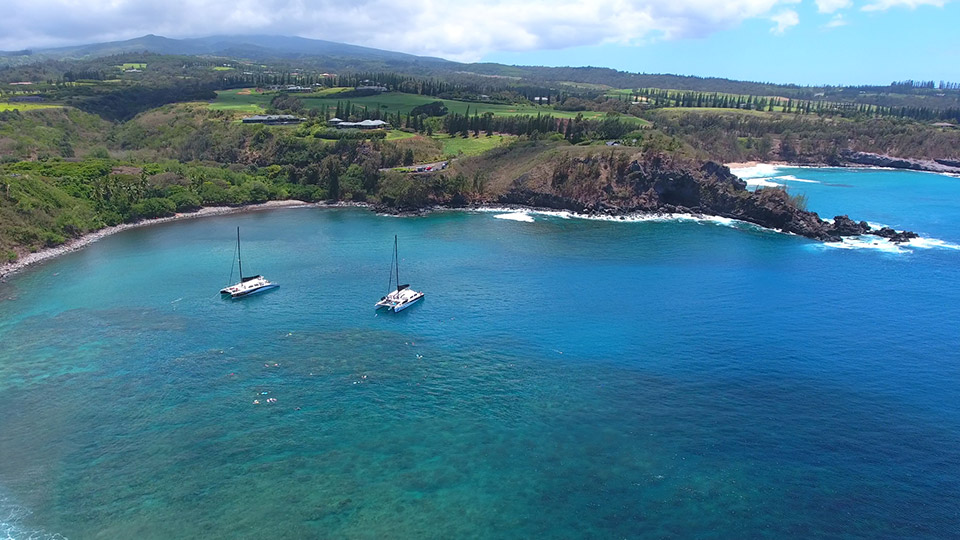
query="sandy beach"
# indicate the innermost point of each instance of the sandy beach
(745, 164)
(78, 243)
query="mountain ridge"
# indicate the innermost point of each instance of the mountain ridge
(276, 45)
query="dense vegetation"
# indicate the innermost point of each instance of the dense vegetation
(739, 136)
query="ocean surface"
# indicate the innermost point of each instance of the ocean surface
(562, 378)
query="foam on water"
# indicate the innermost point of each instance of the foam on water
(760, 170)
(11, 524)
(792, 178)
(527, 216)
(867, 241)
(767, 175)
(760, 182)
(931, 243)
(870, 241)
(516, 216)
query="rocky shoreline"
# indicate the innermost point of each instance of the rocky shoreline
(650, 187)
(866, 159)
(659, 187)
(656, 185)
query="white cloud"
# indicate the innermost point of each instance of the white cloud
(829, 6)
(836, 22)
(883, 5)
(448, 28)
(785, 20)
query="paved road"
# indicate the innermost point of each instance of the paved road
(421, 167)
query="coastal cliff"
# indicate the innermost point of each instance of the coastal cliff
(619, 184)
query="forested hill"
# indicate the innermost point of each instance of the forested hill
(252, 47)
(341, 57)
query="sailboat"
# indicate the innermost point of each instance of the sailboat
(248, 285)
(404, 296)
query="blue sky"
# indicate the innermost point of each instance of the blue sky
(868, 47)
(783, 41)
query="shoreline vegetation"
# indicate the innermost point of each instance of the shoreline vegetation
(842, 226)
(82, 241)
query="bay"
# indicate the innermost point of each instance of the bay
(563, 377)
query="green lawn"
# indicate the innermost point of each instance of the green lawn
(27, 106)
(133, 65)
(247, 100)
(471, 146)
(223, 68)
(396, 135)
(332, 91)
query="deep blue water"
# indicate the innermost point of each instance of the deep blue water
(562, 378)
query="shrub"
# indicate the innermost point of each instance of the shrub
(214, 194)
(153, 208)
(183, 199)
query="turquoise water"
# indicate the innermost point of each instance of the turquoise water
(562, 378)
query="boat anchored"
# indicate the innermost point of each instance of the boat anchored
(404, 296)
(247, 285)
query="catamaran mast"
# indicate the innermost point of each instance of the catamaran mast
(396, 256)
(239, 259)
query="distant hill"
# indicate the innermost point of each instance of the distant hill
(341, 57)
(249, 47)
(333, 55)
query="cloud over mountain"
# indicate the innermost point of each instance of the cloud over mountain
(447, 28)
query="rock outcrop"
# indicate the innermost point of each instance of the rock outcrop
(657, 184)
(878, 160)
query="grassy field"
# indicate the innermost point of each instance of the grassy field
(242, 100)
(27, 106)
(327, 92)
(471, 146)
(249, 101)
(223, 68)
(133, 65)
(397, 135)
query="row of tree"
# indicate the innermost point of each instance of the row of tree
(656, 98)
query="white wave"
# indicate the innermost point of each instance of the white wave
(516, 216)
(792, 178)
(760, 170)
(760, 182)
(931, 243)
(870, 241)
(866, 241)
(527, 215)
(11, 517)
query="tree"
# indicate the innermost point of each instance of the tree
(332, 168)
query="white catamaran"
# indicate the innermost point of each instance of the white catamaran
(248, 285)
(404, 296)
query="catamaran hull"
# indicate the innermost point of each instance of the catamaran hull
(397, 308)
(401, 307)
(243, 294)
